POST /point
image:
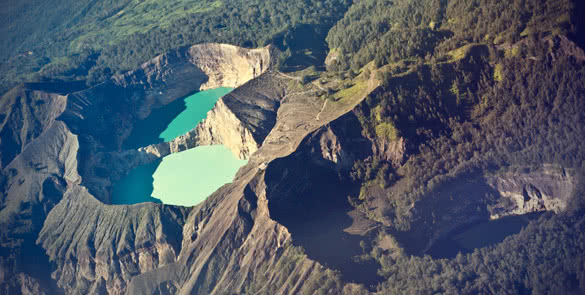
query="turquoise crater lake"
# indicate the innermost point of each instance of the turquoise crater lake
(186, 178)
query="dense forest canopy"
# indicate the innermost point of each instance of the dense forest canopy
(473, 87)
(388, 31)
(104, 37)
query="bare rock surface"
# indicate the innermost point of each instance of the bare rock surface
(92, 242)
(547, 189)
(24, 115)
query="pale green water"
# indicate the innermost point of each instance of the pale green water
(187, 178)
(184, 178)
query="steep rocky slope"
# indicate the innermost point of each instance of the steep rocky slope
(40, 125)
(25, 114)
(297, 189)
(105, 115)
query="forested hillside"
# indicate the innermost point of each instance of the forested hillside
(94, 39)
(472, 88)
(388, 31)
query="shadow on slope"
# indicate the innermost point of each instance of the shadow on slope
(308, 195)
(312, 204)
(306, 45)
(148, 130)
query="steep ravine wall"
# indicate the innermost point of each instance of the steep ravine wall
(25, 114)
(240, 120)
(549, 188)
(104, 116)
(69, 141)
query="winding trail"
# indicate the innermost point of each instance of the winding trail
(302, 92)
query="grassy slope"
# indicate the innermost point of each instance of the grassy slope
(85, 23)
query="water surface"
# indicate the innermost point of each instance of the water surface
(174, 119)
(136, 187)
(189, 177)
(184, 178)
(478, 235)
(197, 106)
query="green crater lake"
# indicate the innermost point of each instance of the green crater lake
(186, 178)
(174, 119)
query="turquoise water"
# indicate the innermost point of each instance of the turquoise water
(136, 187)
(184, 178)
(174, 119)
(197, 105)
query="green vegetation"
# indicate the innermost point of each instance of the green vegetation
(469, 87)
(545, 258)
(263, 282)
(387, 131)
(352, 91)
(490, 87)
(104, 37)
(499, 73)
(386, 31)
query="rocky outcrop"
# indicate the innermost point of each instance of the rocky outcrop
(230, 66)
(391, 151)
(99, 247)
(130, 97)
(546, 189)
(25, 113)
(339, 144)
(220, 126)
(240, 120)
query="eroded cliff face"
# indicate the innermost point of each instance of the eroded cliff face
(219, 127)
(98, 248)
(240, 120)
(228, 65)
(24, 114)
(480, 198)
(547, 189)
(35, 181)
